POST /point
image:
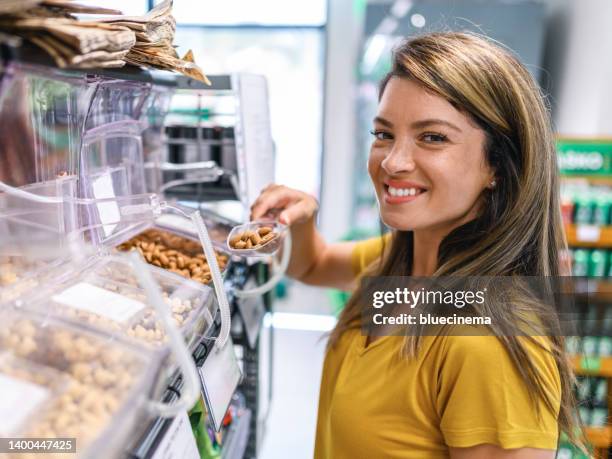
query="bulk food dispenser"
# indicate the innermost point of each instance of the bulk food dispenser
(92, 177)
(42, 114)
(72, 177)
(219, 145)
(219, 157)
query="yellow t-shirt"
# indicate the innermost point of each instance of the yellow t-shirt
(460, 391)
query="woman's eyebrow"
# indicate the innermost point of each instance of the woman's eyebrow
(384, 122)
(429, 122)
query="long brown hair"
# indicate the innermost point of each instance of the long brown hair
(519, 230)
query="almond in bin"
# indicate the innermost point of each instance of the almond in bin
(174, 253)
(253, 239)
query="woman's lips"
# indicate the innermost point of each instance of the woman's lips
(400, 192)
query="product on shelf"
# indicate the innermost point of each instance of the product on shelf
(605, 346)
(586, 204)
(592, 395)
(583, 210)
(212, 444)
(580, 262)
(99, 381)
(174, 253)
(590, 345)
(594, 325)
(591, 263)
(567, 210)
(597, 263)
(601, 213)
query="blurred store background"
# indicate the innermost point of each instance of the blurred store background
(322, 60)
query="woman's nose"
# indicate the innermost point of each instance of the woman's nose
(400, 159)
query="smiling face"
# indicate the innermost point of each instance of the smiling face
(427, 160)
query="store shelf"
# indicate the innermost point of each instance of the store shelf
(237, 437)
(589, 236)
(592, 179)
(593, 289)
(594, 366)
(599, 437)
(29, 54)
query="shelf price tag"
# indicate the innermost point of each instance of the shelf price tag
(220, 375)
(590, 364)
(20, 400)
(252, 311)
(178, 442)
(96, 300)
(588, 233)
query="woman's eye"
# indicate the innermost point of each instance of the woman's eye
(381, 135)
(431, 137)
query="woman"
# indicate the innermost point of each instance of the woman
(464, 168)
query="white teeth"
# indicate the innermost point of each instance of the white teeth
(403, 191)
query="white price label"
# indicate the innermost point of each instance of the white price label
(220, 376)
(178, 441)
(91, 298)
(18, 402)
(588, 233)
(108, 211)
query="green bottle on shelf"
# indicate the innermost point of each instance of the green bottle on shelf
(580, 263)
(599, 412)
(597, 263)
(601, 212)
(583, 213)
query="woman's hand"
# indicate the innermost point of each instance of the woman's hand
(292, 206)
(312, 260)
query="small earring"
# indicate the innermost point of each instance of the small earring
(493, 183)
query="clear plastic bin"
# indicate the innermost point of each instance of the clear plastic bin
(112, 167)
(118, 100)
(21, 276)
(217, 226)
(105, 382)
(42, 115)
(177, 252)
(28, 391)
(27, 217)
(115, 150)
(106, 295)
(37, 236)
(153, 136)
